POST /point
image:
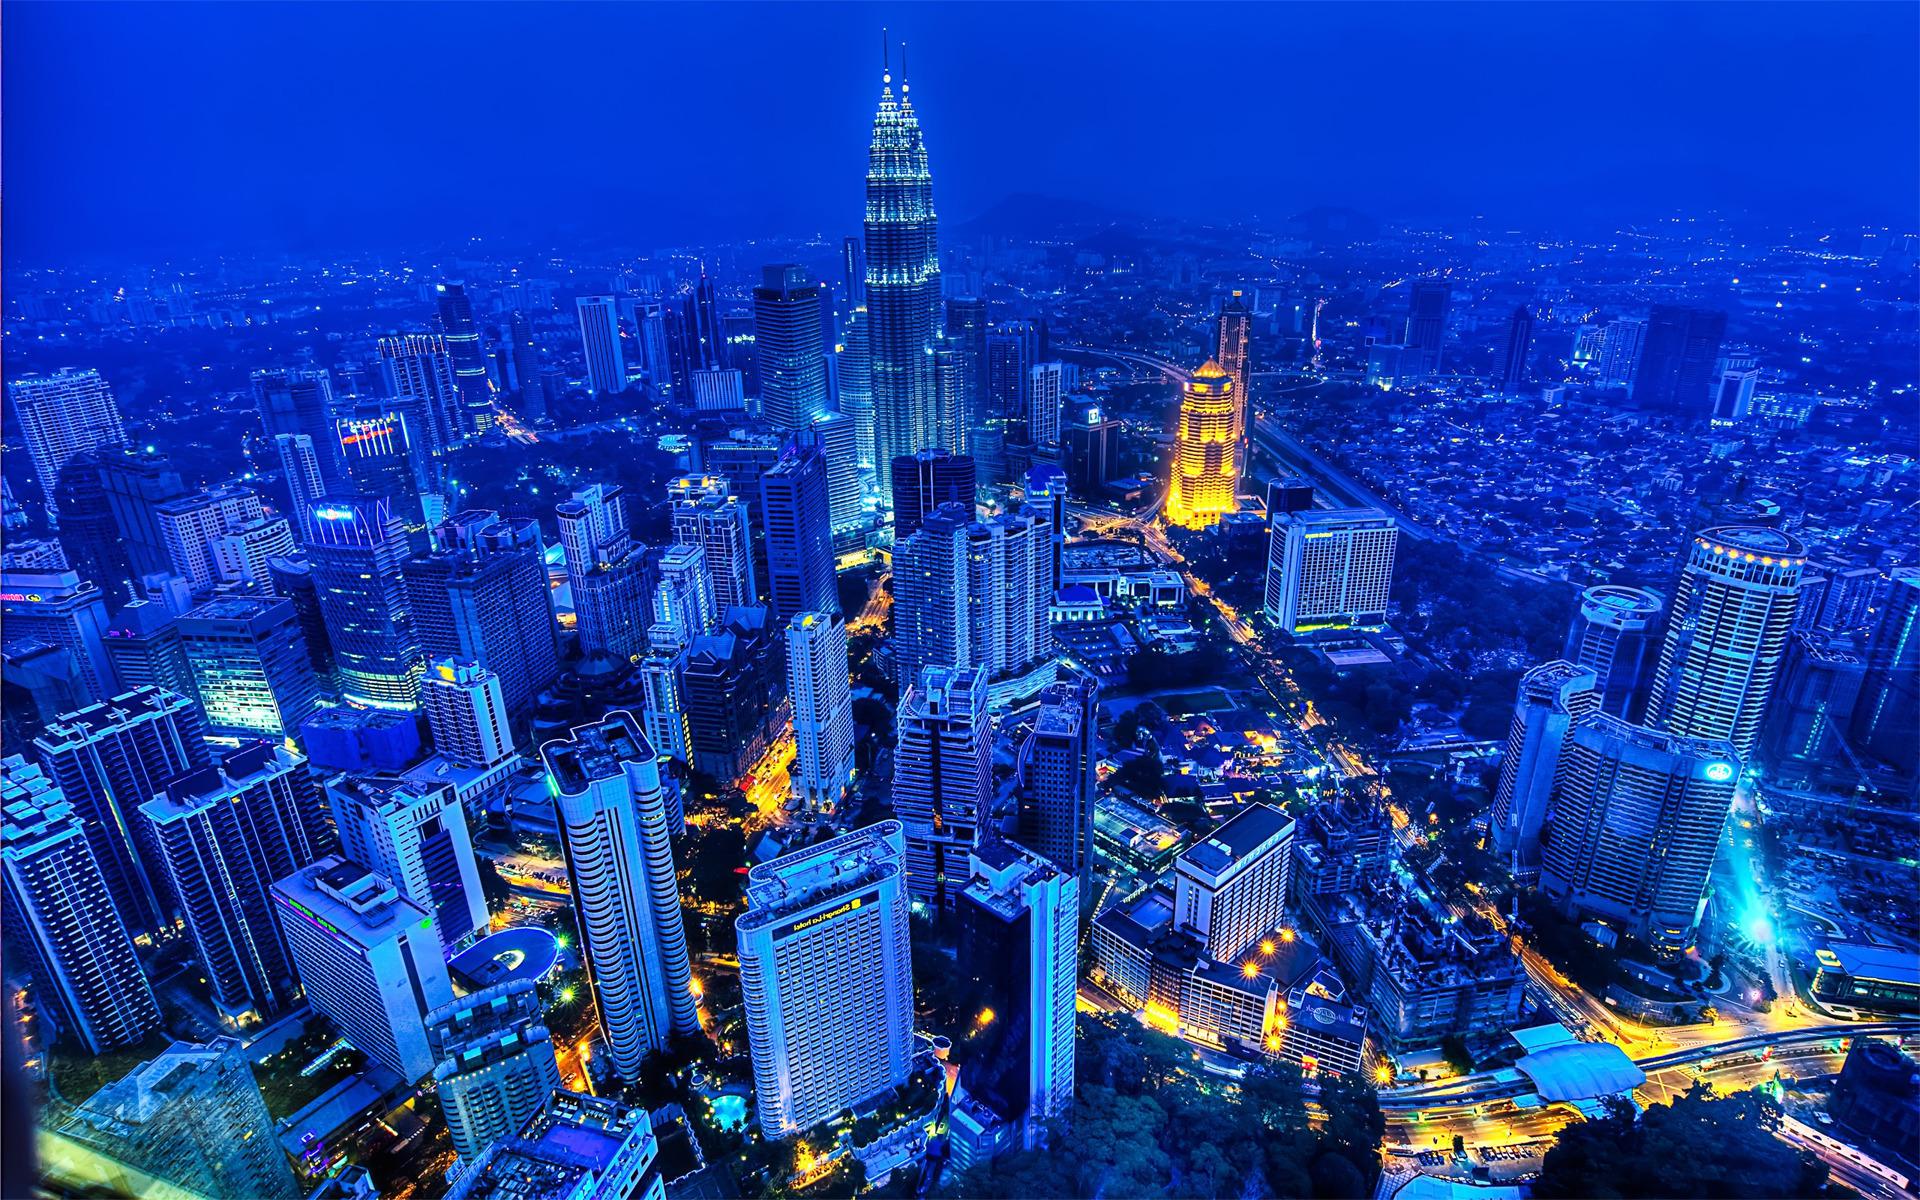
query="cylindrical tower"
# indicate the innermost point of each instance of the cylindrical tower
(1206, 450)
(1614, 634)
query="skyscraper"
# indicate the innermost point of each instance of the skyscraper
(818, 682)
(357, 552)
(1620, 348)
(942, 778)
(1636, 818)
(1889, 708)
(192, 527)
(799, 534)
(1058, 776)
(223, 835)
(827, 921)
(839, 442)
(950, 428)
(1427, 304)
(412, 831)
(600, 343)
(1009, 594)
(417, 369)
(190, 1121)
(1044, 496)
(110, 758)
(932, 602)
(1813, 703)
(626, 898)
(903, 281)
(1330, 569)
(1205, 468)
(733, 687)
(707, 511)
(42, 598)
(62, 923)
(298, 402)
(251, 671)
(467, 712)
(967, 326)
(380, 460)
(683, 607)
(1232, 336)
(789, 348)
(496, 1064)
(137, 481)
(1676, 371)
(368, 958)
(87, 526)
(1019, 918)
(485, 597)
(925, 480)
(856, 364)
(1727, 633)
(469, 360)
(66, 413)
(1012, 348)
(1614, 633)
(1514, 352)
(1552, 697)
(301, 471)
(1046, 397)
(610, 578)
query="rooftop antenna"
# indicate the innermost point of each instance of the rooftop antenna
(886, 63)
(903, 68)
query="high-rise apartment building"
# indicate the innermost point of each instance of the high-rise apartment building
(1009, 592)
(1637, 815)
(839, 441)
(43, 599)
(1428, 302)
(1514, 352)
(1019, 917)
(417, 369)
(818, 683)
(250, 666)
(1676, 371)
(827, 921)
(63, 925)
(467, 713)
(1888, 712)
(942, 778)
(298, 402)
(1330, 569)
(789, 348)
(1058, 776)
(799, 534)
(223, 835)
(357, 552)
(190, 1121)
(1615, 633)
(932, 602)
(1046, 398)
(62, 415)
(708, 512)
(626, 897)
(110, 758)
(412, 830)
(1620, 348)
(191, 525)
(1232, 339)
(1230, 889)
(1205, 467)
(902, 283)
(368, 958)
(496, 1065)
(1553, 696)
(610, 578)
(1732, 612)
(600, 343)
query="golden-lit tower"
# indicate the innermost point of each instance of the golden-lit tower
(1206, 450)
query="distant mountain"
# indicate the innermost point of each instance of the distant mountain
(1027, 215)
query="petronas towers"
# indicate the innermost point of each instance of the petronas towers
(903, 284)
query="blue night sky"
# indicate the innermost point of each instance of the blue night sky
(207, 126)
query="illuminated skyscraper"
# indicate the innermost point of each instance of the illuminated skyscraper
(967, 325)
(469, 360)
(250, 665)
(1330, 569)
(1427, 305)
(856, 363)
(932, 600)
(1206, 450)
(299, 402)
(1047, 386)
(942, 778)
(1614, 634)
(1620, 348)
(1552, 697)
(827, 977)
(62, 924)
(903, 281)
(708, 512)
(1727, 634)
(817, 681)
(839, 442)
(467, 712)
(70, 411)
(1232, 342)
(788, 346)
(413, 831)
(1058, 777)
(609, 576)
(600, 342)
(626, 897)
(485, 597)
(1636, 818)
(497, 1066)
(357, 552)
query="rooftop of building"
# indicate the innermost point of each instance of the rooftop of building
(1246, 833)
(32, 809)
(1882, 964)
(519, 953)
(349, 900)
(573, 1136)
(796, 881)
(594, 752)
(1754, 539)
(77, 727)
(1002, 871)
